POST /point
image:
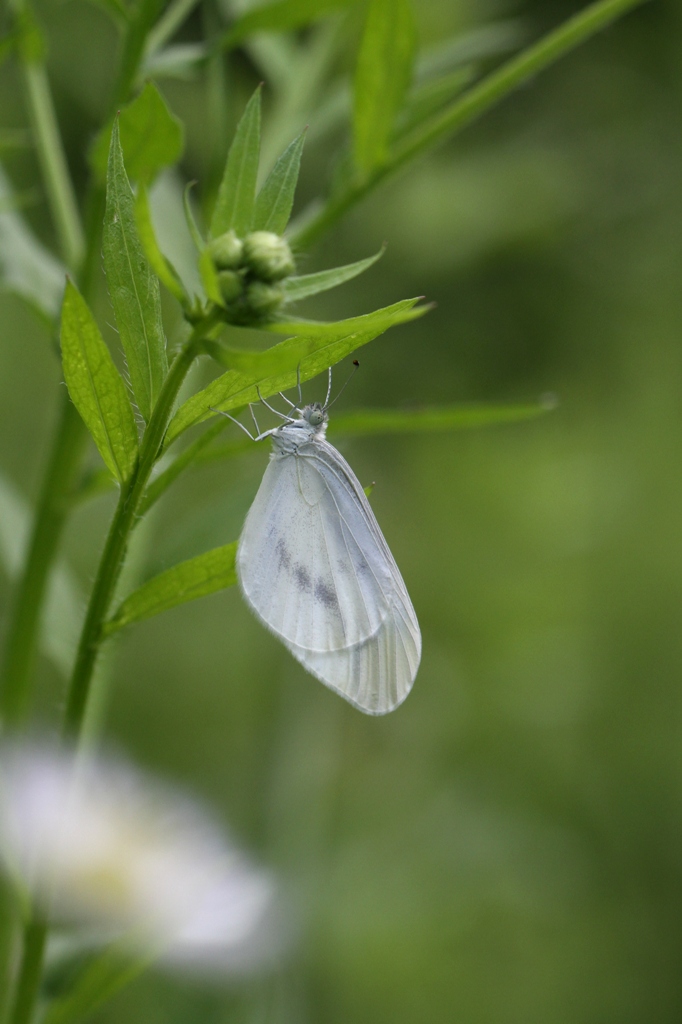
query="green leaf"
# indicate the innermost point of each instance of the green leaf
(305, 285)
(162, 267)
(205, 574)
(281, 16)
(234, 390)
(209, 278)
(133, 288)
(260, 365)
(428, 98)
(196, 234)
(151, 137)
(361, 422)
(96, 387)
(448, 417)
(234, 206)
(276, 198)
(382, 77)
(27, 268)
(480, 98)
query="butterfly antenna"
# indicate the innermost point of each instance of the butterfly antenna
(356, 367)
(329, 390)
(298, 384)
(240, 425)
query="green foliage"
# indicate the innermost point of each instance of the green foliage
(151, 137)
(234, 390)
(197, 577)
(95, 386)
(160, 264)
(280, 16)
(366, 422)
(382, 77)
(276, 198)
(133, 288)
(237, 193)
(261, 365)
(305, 285)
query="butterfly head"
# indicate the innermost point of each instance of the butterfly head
(315, 415)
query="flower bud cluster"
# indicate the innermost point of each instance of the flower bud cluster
(250, 272)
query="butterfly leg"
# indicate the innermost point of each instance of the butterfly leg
(288, 401)
(281, 415)
(240, 425)
(255, 421)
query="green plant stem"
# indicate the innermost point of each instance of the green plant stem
(53, 164)
(171, 20)
(70, 437)
(30, 972)
(124, 520)
(53, 505)
(60, 193)
(468, 108)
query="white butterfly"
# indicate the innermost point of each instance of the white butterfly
(313, 565)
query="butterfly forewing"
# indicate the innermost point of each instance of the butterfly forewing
(308, 564)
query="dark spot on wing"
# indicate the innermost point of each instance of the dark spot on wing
(325, 594)
(282, 554)
(302, 578)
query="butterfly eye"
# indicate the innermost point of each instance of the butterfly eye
(316, 418)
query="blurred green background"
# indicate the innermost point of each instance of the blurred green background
(506, 847)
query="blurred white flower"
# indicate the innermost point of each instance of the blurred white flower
(99, 844)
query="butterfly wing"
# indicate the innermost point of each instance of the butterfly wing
(314, 566)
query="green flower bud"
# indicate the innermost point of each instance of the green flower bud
(263, 299)
(226, 251)
(268, 256)
(231, 285)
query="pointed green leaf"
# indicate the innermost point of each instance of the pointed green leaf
(133, 288)
(96, 387)
(234, 206)
(151, 137)
(276, 198)
(448, 417)
(234, 390)
(302, 287)
(161, 266)
(382, 77)
(205, 574)
(280, 16)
